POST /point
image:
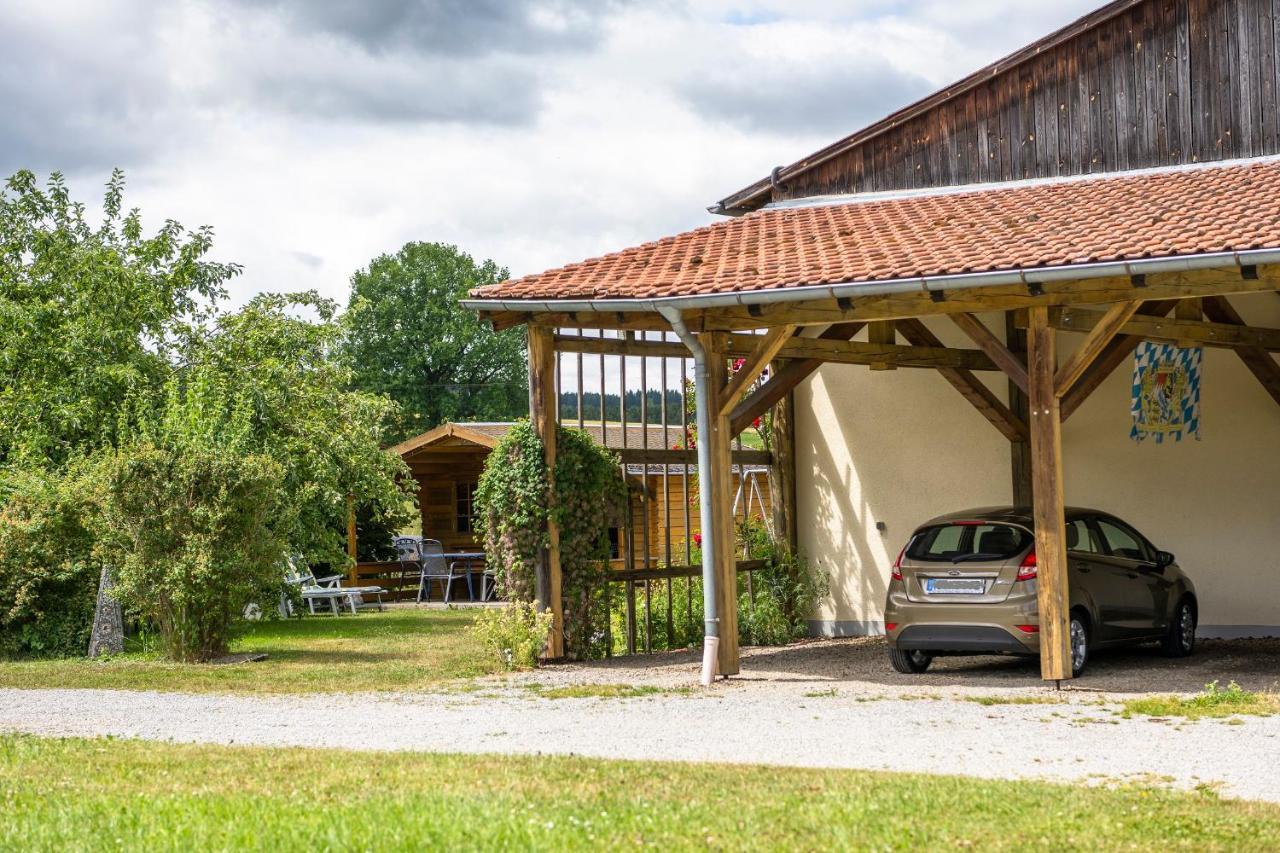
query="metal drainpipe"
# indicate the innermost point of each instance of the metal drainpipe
(702, 393)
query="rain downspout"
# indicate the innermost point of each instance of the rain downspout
(702, 394)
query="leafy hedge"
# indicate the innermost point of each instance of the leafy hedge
(48, 574)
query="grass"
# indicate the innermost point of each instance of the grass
(401, 649)
(99, 794)
(603, 691)
(1213, 701)
(1013, 700)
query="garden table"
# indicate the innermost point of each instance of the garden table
(469, 559)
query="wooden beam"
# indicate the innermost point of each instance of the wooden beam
(882, 332)
(1011, 364)
(821, 349)
(1019, 451)
(1094, 343)
(543, 411)
(722, 506)
(753, 365)
(969, 386)
(659, 456)
(1259, 361)
(785, 380)
(1112, 357)
(1048, 507)
(351, 539)
(1173, 330)
(782, 473)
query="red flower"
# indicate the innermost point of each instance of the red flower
(756, 423)
(737, 363)
(697, 539)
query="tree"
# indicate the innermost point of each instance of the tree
(409, 338)
(325, 436)
(87, 314)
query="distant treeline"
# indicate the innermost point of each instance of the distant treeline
(613, 410)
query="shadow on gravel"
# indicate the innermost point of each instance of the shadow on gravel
(1253, 664)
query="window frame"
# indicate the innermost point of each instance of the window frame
(467, 489)
(1124, 527)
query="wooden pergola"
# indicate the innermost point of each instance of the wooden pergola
(1114, 299)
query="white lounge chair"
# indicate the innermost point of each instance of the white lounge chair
(329, 589)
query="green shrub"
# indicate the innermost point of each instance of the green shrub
(48, 575)
(513, 635)
(189, 532)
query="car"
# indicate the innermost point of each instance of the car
(965, 584)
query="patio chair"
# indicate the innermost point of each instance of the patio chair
(435, 568)
(329, 589)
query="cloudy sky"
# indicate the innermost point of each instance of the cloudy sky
(315, 134)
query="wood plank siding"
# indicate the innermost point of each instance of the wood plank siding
(1158, 83)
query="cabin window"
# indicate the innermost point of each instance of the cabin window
(615, 550)
(466, 497)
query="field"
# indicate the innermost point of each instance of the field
(99, 794)
(401, 649)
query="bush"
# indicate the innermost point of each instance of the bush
(514, 635)
(189, 533)
(48, 576)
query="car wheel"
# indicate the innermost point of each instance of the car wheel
(910, 662)
(1180, 641)
(1079, 645)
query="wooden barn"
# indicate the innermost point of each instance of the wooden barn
(1015, 237)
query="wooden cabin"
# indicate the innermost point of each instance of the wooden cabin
(447, 462)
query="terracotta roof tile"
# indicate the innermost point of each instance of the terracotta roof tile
(1233, 206)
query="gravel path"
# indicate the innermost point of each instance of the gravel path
(1075, 740)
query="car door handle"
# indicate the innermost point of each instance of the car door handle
(1132, 574)
(1084, 570)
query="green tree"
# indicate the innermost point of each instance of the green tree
(87, 313)
(411, 340)
(277, 353)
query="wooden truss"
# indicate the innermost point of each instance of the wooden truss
(1113, 314)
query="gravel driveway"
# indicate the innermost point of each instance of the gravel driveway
(820, 704)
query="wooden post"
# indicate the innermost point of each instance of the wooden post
(352, 575)
(1049, 517)
(543, 410)
(882, 332)
(721, 476)
(1019, 451)
(782, 473)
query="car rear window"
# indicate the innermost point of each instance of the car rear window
(961, 542)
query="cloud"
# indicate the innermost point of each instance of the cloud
(449, 27)
(784, 98)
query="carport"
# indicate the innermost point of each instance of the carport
(1090, 265)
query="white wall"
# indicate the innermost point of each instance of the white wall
(902, 446)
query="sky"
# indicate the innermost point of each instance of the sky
(315, 135)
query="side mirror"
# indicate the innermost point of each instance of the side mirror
(1164, 559)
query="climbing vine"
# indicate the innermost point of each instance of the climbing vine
(515, 499)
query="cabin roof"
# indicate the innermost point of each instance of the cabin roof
(488, 433)
(1175, 212)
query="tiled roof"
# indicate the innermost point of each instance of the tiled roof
(1187, 211)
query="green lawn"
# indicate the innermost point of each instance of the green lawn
(95, 794)
(401, 649)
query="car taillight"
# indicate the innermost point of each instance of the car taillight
(1028, 629)
(889, 626)
(896, 572)
(1027, 569)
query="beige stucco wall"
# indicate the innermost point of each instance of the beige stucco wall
(901, 446)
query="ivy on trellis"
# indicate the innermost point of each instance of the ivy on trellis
(515, 501)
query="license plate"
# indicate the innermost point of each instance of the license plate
(955, 586)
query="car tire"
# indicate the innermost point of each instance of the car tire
(1180, 640)
(910, 662)
(1079, 638)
